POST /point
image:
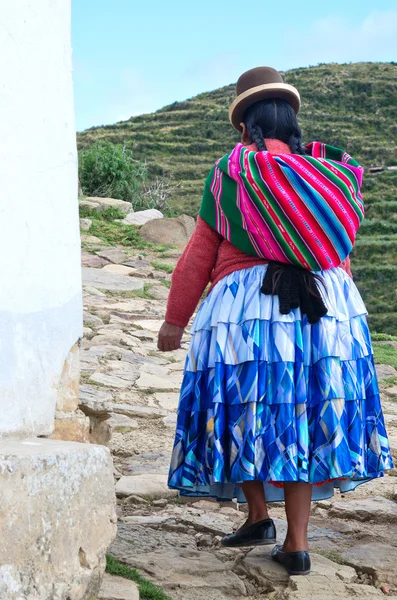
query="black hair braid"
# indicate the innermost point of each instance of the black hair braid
(274, 119)
(257, 137)
(295, 143)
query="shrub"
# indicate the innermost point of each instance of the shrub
(110, 171)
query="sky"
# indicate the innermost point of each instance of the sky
(132, 57)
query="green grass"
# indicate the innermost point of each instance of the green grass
(112, 233)
(109, 214)
(385, 354)
(126, 295)
(166, 283)
(147, 590)
(388, 382)
(162, 266)
(145, 293)
(383, 337)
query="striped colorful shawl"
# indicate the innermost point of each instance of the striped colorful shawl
(303, 210)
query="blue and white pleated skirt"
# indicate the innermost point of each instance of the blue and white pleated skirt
(269, 397)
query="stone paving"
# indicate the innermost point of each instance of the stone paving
(129, 390)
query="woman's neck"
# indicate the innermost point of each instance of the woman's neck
(274, 147)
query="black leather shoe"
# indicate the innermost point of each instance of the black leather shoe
(258, 534)
(296, 563)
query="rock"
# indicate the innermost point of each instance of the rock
(93, 291)
(384, 371)
(206, 521)
(150, 324)
(143, 412)
(187, 573)
(71, 427)
(57, 518)
(135, 500)
(175, 356)
(160, 503)
(115, 338)
(88, 204)
(204, 540)
(130, 306)
(113, 381)
(118, 588)
(114, 255)
(108, 281)
(159, 292)
(153, 462)
(149, 486)
(375, 508)
(207, 505)
(142, 216)
(147, 273)
(103, 430)
(91, 240)
(391, 391)
(112, 328)
(91, 320)
(92, 260)
(168, 401)
(121, 423)
(150, 381)
(99, 204)
(327, 581)
(85, 224)
(259, 566)
(172, 232)
(170, 421)
(95, 401)
(377, 559)
(153, 368)
(117, 269)
(149, 520)
(145, 336)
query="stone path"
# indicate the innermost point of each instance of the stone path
(130, 392)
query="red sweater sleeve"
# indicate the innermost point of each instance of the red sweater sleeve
(345, 265)
(192, 274)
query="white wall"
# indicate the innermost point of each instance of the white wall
(40, 285)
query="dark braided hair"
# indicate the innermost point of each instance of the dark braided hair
(274, 119)
(295, 287)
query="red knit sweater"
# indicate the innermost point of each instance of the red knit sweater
(207, 258)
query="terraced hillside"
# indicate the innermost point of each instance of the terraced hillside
(352, 106)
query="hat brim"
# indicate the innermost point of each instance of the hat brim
(262, 92)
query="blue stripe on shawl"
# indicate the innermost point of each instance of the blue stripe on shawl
(320, 210)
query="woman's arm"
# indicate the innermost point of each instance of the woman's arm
(189, 280)
(345, 265)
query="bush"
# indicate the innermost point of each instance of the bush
(110, 171)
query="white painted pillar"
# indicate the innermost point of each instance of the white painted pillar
(40, 281)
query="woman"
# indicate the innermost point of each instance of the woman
(279, 399)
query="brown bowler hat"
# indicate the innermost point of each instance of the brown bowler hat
(259, 84)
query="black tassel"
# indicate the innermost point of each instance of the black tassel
(295, 287)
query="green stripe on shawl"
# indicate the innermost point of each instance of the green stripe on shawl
(238, 236)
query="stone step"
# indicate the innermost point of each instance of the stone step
(118, 588)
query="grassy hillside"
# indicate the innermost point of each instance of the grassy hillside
(351, 106)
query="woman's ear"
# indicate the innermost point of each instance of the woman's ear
(245, 137)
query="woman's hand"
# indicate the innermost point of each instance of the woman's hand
(169, 337)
